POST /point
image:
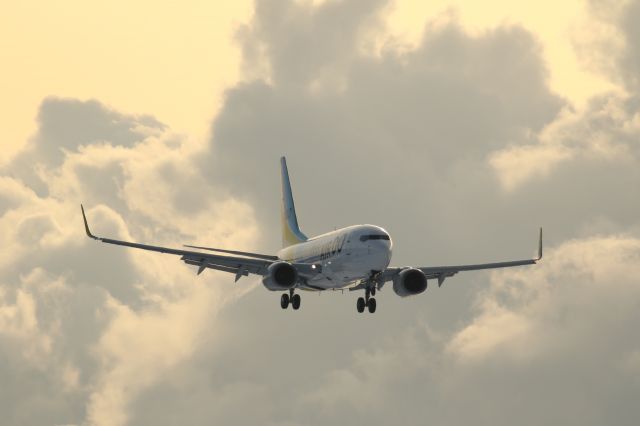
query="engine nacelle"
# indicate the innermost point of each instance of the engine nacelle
(409, 282)
(280, 276)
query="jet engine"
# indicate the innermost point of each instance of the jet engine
(409, 282)
(280, 276)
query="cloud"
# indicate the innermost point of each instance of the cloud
(610, 43)
(66, 124)
(518, 164)
(457, 146)
(86, 327)
(604, 132)
(162, 338)
(579, 285)
(392, 124)
(528, 354)
(630, 61)
(425, 142)
(297, 42)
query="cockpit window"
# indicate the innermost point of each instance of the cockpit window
(374, 237)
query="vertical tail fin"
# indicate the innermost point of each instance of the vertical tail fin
(291, 233)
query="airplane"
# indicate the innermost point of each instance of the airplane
(354, 258)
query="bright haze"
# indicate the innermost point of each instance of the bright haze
(459, 127)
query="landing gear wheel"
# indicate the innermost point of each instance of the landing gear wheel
(372, 305)
(295, 301)
(284, 301)
(361, 304)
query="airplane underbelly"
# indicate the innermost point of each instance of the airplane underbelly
(343, 271)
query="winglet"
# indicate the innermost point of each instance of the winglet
(540, 246)
(86, 225)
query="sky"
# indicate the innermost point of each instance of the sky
(459, 127)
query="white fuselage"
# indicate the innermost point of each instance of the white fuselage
(345, 255)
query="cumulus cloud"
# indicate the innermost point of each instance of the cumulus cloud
(607, 128)
(456, 145)
(609, 42)
(65, 126)
(528, 355)
(586, 277)
(398, 124)
(91, 326)
(604, 132)
(630, 60)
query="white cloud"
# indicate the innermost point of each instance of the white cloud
(604, 131)
(540, 336)
(582, 288)
(134, 338)
(518, 164)
(93, 323)
(408, 135)
(138, 347)
(606, 128)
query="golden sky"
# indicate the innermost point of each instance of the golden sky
(175, 62)
(168, 59)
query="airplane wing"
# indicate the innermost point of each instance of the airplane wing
(442, 272)
(240, 265)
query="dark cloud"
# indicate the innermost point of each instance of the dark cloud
(392, 131)
(529, 355)
(298, 41)
(64, 125)
(405, 140)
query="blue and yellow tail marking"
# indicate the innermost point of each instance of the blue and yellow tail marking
(291, 233)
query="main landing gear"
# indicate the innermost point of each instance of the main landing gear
(367, 301)
(294, 299)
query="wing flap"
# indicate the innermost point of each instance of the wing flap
(240, 253)
(459, 268)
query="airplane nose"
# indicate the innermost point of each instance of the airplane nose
(385, 255)
(388, 241)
